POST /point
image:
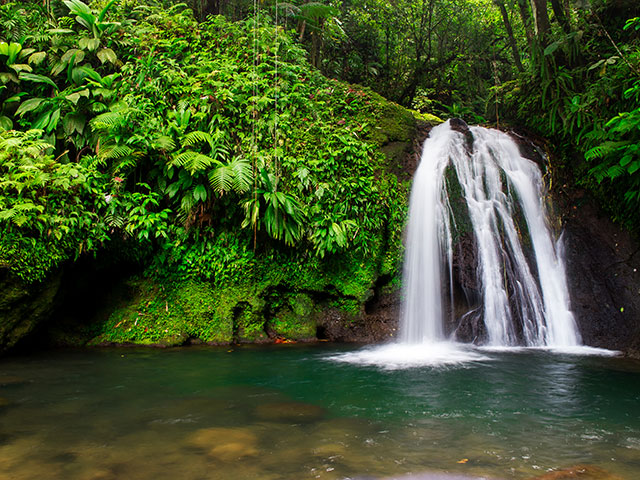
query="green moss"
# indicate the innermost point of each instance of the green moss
(169, 315)
(207, 316)
(249, 319)
(427, 118)
(393, 122)
(296, 321)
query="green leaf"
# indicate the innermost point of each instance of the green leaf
(11, 50)
(72, 55)
(552, 48)
(29, 105)
(200, 193)
(6, 123)
(16, 97)
(21, 67)
(42, 121)
(104, 11)
(90, 73)
(73, 97)
(32, 77)
(53, 120)
(60, 31)
(73, 122)
(6, 77)
(107, 55)
(37, 58)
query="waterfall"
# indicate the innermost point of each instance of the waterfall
(520, 272)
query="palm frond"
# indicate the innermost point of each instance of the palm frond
(194, 161)
(222, 179)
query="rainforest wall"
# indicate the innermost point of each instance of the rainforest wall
(170, 176)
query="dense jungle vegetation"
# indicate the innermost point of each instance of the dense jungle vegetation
(239, 143)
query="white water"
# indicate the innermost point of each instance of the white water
(518, 306)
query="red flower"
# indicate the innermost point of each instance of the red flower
(117, 179)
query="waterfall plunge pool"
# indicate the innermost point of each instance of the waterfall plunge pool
(294, 412)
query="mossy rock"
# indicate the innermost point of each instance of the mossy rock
(296, 321)
(249, 321)
(427, 118)
(204, 316)
(394, 123)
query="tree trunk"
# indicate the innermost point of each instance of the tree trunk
(541, 20)
(511, 38)
(561, 17)
(526, 22)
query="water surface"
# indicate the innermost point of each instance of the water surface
(291, 412)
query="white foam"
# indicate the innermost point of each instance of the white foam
(582, 350)
(396, 356)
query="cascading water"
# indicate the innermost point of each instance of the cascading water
(522, 301)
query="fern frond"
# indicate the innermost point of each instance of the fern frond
(164, 142)
(615, 171)
(107, 120)
(116, 151)
(114, 221)
(602, 150)
(193, 138)
(243, 174)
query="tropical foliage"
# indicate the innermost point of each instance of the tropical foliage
(141, 123)
(168, 124)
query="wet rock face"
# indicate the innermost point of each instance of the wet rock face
(530, 147)
(23, 307)
(461, 126)
(465, 263)
(603, 269)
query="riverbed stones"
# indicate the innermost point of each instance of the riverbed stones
(578, 472)
(225, 444)
(289, 412)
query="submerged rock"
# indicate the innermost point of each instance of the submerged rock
(225, 444)
(289, 412)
